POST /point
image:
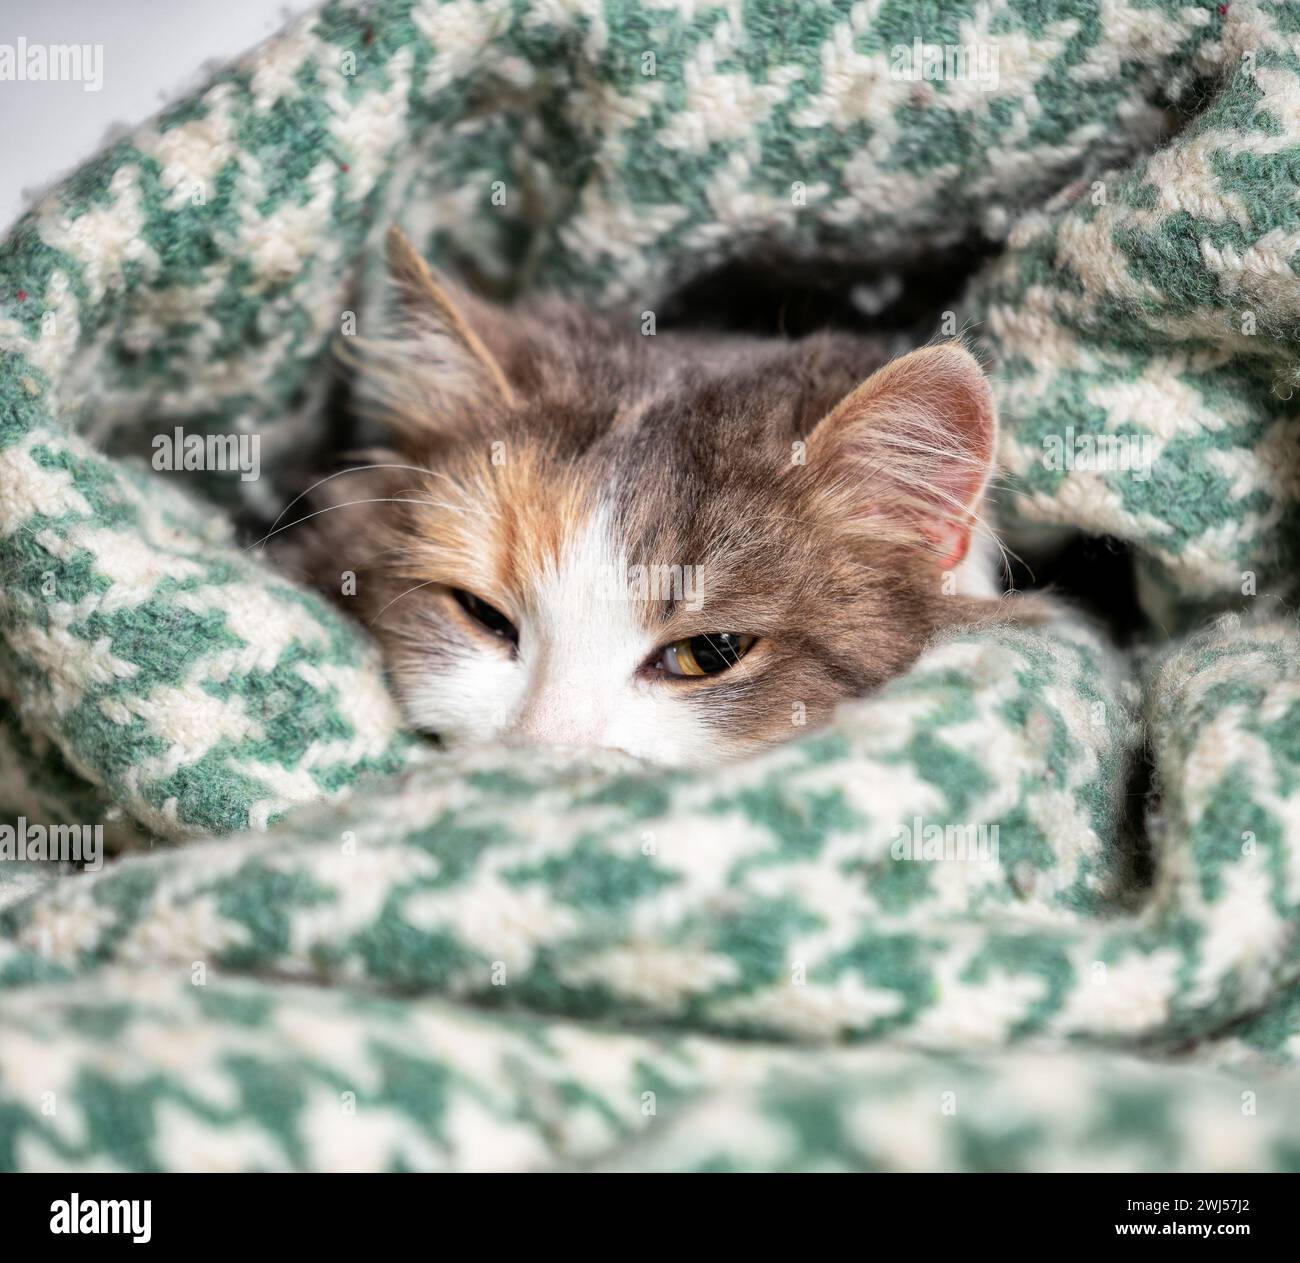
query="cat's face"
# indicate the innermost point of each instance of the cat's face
(685, 549)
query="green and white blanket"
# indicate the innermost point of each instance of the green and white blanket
(330, 945)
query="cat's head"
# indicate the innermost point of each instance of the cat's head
(679, 546)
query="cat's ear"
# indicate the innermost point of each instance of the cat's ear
(909, 452)
(430, 305)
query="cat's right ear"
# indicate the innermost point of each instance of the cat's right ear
(431, 371)
(429, 304)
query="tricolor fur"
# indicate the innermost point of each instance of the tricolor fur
(612, 493)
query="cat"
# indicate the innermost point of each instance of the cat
(686, 547)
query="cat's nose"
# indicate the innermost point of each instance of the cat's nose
(545, 723)
(551, 725)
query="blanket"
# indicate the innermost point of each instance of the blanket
(1031, 906)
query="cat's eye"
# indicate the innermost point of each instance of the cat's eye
(703, 655)
(487, 615)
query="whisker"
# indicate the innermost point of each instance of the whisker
(329, 478)
(329, 508)
(399, 596)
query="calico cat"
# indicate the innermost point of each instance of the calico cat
(681, 546)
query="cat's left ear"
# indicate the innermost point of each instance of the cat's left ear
(908, 453)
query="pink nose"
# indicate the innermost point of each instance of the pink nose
(547, 726)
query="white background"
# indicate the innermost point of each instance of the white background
(154, 52)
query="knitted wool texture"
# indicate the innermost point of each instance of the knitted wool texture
(519, 961)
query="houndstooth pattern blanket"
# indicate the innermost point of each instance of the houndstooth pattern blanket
(322, 943)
